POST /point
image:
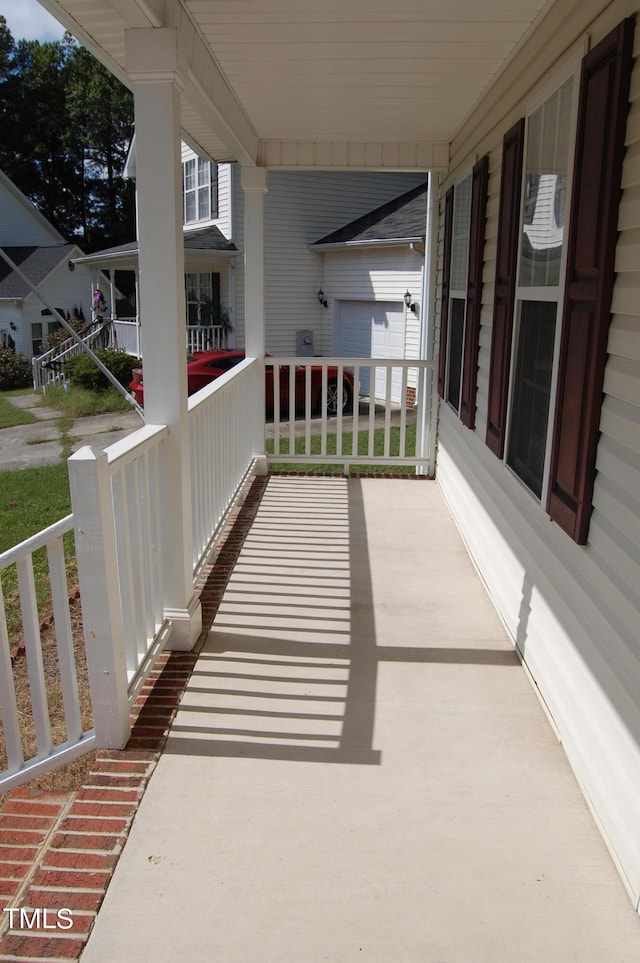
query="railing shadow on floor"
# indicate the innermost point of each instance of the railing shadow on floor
(289, 669)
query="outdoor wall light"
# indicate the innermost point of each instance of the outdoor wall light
(410, 303)
(321, 298)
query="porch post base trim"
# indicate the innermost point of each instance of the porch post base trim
(186, 626)
(261, 465)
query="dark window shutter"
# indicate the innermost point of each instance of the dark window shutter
(446, 277)
(215, 207)
(505, 288)
(602, 113)
(215, 292)
(479, 187)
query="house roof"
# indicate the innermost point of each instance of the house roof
(399, 221)
(206, 240)
(36, 263)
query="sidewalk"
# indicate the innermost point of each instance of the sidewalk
(39, 444)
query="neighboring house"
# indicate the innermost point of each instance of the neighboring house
(46, 260)
(300, 207)
(373, 278)
(531, 121)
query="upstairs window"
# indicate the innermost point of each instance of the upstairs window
(200, 190)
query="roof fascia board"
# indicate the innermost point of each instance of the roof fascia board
(105, 260)
(376, 242)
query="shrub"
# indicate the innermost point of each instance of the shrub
(15, 370)
(83, 373)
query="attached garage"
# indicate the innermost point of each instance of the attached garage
(368, 268)
(372, 329)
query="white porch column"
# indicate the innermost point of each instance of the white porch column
(153, 64)
(254, 187)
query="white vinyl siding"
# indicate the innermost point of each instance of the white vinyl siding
(300, 208)
(62, 289)
(20, 222)
(573, 611)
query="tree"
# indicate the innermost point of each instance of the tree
(101, 117)
(65, 127)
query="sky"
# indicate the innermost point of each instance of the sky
(27, 20)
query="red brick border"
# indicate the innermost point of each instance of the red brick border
(58, 851)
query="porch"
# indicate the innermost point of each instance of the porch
(359, 767)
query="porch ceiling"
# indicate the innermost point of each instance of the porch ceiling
(347, 83)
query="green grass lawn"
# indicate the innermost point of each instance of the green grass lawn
(80, 403)
(347, 449)
(30, 500)
(10, 416)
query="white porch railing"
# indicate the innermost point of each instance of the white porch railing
(118, 525)
(225, 427)
(124, 335)
(48, 368)
(48, 754)
(389, 418)
(211, 337)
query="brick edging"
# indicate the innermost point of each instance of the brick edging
(58, 851)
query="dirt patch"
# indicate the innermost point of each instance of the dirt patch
(71, 775)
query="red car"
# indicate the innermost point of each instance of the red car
(204, 367)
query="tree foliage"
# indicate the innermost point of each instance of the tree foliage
(65, 127)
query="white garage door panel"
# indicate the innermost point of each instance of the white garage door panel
(373, 329)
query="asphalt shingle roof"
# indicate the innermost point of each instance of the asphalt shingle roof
(399, 219)
(203, 239)
(34, 262)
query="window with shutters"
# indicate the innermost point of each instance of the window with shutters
(538, 302)
(557, 227)
(199, 190)
(464, 232)
(458, 289)
(203, 298)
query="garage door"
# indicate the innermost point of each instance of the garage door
(372, 329)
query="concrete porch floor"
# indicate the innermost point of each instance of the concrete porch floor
(360, 768)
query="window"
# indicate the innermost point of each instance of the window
(38, 334)
(458, 289)
(203, 298)
(554, 282)
(465, 213)
(538, 292)
(200, 189)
